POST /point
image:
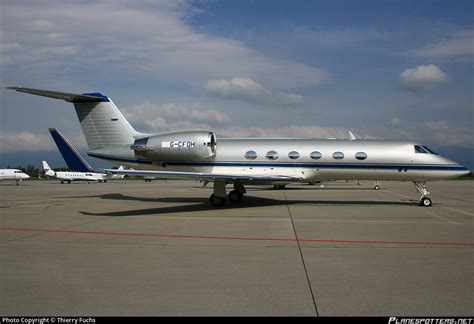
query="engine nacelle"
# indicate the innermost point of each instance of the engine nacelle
(182, 146)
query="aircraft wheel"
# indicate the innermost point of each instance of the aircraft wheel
(279, 187)
(217, 201)
(105, 181)
(376, 187)
(425, 202)
(62, 182)
(235, 196)
(69, 181)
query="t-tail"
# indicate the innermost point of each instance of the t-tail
(102, 123)
(73, 159)
(47, 169)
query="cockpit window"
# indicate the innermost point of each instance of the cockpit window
(420, 149)
(423, 149)
(431, 151)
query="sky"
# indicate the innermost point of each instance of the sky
(243, 68)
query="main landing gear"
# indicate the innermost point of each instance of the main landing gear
(219, 197)
(425, 201)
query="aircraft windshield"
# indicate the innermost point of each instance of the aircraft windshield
(423, 149)
(431, 151)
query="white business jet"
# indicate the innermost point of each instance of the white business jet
(69, 176)
(13, 174)
(244, 161)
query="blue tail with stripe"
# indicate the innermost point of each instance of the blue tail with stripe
(74, 160)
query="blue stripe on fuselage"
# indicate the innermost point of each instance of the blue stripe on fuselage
(320, 165)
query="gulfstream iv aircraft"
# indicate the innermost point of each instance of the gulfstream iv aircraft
(243, 161)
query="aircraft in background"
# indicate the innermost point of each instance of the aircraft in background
(75, 162)
(199, 155)
(69, 176)
(13, 174)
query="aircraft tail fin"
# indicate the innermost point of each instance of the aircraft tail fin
(47, 169)
(46, 166)
(102, 123)
(73, 159)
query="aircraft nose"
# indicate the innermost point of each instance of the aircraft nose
(26, 176)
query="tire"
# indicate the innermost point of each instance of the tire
(216, 201)
(425, 202)
(235, 196)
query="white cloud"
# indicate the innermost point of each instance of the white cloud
(25, 141)
(437, 132)
(291, 131)
(249, 90)
(28, 141)
(149, 38)
(457, 45)
(172, 117)
(423, 77)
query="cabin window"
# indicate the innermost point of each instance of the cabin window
(338, 155)
(315, 155)
(360, 156)
(420, 149)
(272, 155)
(293, 155)
(251, 155)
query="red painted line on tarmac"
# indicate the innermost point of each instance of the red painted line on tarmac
(238, 238)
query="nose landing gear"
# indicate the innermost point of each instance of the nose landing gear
(425, 201)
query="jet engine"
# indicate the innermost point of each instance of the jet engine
(182, 146)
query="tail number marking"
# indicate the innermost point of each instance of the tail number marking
(178, 144)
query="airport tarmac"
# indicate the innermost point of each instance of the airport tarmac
(135, 248)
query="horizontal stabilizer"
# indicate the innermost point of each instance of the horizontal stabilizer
(70, 97)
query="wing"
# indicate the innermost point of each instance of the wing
(203, 176)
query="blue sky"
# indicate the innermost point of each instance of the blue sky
(384, 69)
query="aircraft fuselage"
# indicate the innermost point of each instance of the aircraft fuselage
(306, 159)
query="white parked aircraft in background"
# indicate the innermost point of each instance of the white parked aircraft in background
(69, 176)
(13, 174)
(245, 161)
(75, 162)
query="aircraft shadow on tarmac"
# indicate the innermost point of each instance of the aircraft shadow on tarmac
(201, 204)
